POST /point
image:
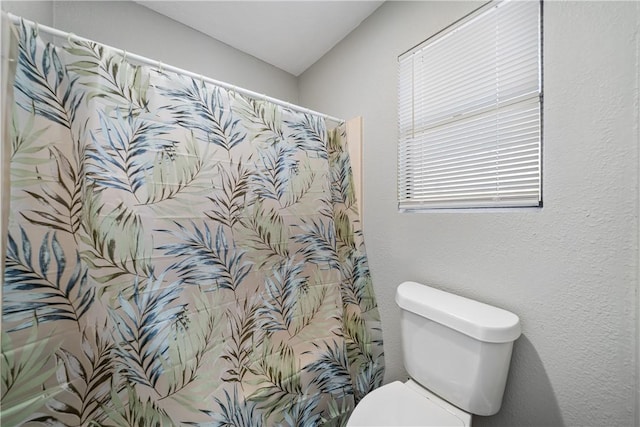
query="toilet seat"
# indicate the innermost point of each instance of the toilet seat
(405, 404)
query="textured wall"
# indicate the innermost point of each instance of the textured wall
(127, 25)
(569, 269)
(38, 11)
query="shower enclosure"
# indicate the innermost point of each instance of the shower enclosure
(177, 252)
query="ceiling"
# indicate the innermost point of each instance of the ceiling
(290, 35)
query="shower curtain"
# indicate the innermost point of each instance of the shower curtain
(177, 253)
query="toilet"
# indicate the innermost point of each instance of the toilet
(457, 353)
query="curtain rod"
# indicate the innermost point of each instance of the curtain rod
(143, 59)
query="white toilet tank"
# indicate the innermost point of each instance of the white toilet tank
(457, 348)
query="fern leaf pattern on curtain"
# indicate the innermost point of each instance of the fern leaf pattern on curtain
(178, 254)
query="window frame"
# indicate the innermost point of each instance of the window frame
(414, 204)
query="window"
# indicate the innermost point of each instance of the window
(469, 112)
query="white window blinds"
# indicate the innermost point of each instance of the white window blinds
(469, 112)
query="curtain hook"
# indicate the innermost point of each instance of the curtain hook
(36, 29)
(202, 80)
(160, 67)
(124, 55)
(70, 37)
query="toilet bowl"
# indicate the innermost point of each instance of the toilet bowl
(457, 353)
(406, 404)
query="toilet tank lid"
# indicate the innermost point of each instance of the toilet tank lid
(473, 318)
